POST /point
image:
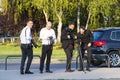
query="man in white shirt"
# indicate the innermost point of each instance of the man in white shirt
(26, 47)
(47, 35)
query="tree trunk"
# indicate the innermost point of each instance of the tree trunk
(88, 20)
(30, 13)
(46, 17)
(78, 18)
(59, 27)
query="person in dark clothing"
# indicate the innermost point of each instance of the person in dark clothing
(67, 40)
(86, 37)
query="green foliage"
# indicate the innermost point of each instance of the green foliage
(4, 6)
(97, 7)
(115, 15)
(67, 10)
(43, 5)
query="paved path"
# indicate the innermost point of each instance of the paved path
(100, 73)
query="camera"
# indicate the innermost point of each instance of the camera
(51, 37)
(51, 40)
(34, 44)
(69, 32)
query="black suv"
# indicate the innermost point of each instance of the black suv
(106, 41)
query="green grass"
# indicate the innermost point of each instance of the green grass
(12, 50)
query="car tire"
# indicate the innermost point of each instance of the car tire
(114, 58)
(96, 62)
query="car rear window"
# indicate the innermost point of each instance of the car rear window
(97, 35)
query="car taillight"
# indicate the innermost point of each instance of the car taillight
(99, 43)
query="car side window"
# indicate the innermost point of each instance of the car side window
(115, 35)
(118, 35)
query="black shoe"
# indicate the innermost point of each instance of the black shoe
(28, 72)
(48, 71)
(69, 70)
(80, 70)
(41, 72)
(88, 69)
(22, 72)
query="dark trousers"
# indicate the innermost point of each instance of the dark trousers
(46, 52)
(26, 52)
(69, 55)
(83, 57)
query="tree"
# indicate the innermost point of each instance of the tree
(114, 19)
(17, 12)
(62, 8)
(55, 8)
(16, 7)
(96, 7)
(43, 5)
(3, 6)
(58, 7)
(92, 12)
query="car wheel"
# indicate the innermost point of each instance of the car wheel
(96, 62)
(114, 58)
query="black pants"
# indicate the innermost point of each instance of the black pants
(26, 52)
(83, 57)
(46, 51)
(69, 54)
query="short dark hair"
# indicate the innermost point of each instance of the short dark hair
(83, 27)
(28, 21)
(71, 23)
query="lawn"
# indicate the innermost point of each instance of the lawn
(15, 50)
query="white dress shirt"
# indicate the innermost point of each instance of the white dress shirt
(44, 34)
(26, 36)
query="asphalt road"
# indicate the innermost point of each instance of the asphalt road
(97, 73)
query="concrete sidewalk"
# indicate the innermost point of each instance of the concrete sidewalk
(96, 73)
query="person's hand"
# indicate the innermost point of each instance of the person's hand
(55, 41)
(35, 45)
(48, 38)
(75, 37)
(89, 44)
(68, 36)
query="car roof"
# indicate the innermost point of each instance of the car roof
(108, 28)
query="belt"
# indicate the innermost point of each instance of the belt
(25, 44)
(70, 44)
(46, 45)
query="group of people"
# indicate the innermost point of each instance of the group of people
(48, 37)
(84, 39)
